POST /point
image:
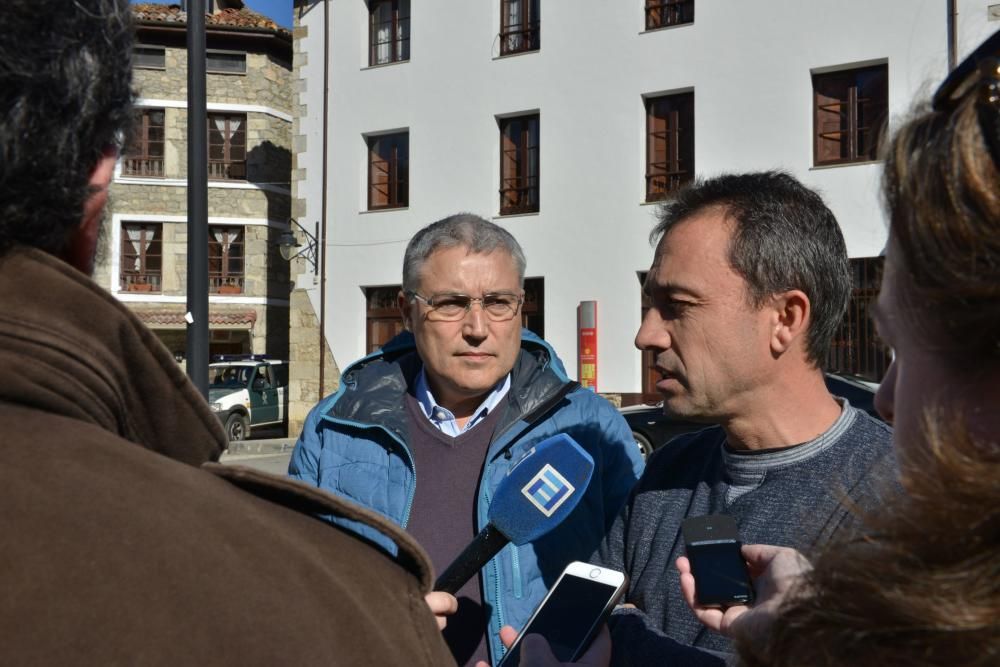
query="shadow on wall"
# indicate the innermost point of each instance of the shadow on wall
(269, 164)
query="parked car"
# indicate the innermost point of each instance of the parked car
(651, 428)
(248, 391)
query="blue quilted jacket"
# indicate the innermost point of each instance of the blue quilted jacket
(354, 444)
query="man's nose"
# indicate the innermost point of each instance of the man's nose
(474, 325)
(653, 333)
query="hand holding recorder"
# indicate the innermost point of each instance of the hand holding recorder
(775, 572)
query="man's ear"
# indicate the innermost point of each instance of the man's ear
(81, 247)
(792, 316)
(404, 309)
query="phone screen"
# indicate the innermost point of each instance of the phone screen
(720, 573)
(567, 617)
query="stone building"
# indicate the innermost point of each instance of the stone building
(249, 119)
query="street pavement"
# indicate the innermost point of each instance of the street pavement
(269, 455)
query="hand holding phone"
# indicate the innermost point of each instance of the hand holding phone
(712, 544)
(573, 612)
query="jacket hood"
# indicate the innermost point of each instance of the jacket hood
(68, 347)
(372, 389)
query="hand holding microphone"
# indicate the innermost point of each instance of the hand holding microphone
(538, 493)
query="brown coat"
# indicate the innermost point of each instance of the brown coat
(117, 548)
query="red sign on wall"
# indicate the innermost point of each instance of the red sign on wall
(586, 318)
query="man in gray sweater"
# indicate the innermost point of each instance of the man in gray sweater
(748, 284)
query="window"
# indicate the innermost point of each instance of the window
(227, 146)
(149, 57)
(519, 164)
(519, 29)
(383, 321)
(225, 260)
(389, 31)
(144, 154)
(851, 108)
(388, 170)
(856, 348)
(533, 308)
(142, 257)
(663, 13)
(669, 143)
(226, 62)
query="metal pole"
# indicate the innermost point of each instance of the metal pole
(197, 201)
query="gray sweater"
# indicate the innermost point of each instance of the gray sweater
(797, 496)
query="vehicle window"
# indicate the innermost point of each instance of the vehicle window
(229, 376)
(280, 375)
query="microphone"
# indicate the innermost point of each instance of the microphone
(538, 493)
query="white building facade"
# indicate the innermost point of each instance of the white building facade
(433, 71)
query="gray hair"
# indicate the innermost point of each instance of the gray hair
(459, 230)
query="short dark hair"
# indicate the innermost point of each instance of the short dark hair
(460, 230)
(65, 98)
(784, 238)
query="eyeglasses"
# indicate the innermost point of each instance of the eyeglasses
(498, 306)
(980, 72)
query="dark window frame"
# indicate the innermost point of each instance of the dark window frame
(399, 32)
(667, 13)
(219, 52)
(524, 35)
(856, 348)
(520, 164)
(137, 60)
(140, 159)
(670, 143)
(850, 111)
(148, 276)
(388, 155)
(226, 259)
(226, 167)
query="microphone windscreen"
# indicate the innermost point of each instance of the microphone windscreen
(541, 489)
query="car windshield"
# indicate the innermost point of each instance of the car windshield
(229, 376)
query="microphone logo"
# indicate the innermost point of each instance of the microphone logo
(548, 490)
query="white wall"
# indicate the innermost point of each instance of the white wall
(749, 64)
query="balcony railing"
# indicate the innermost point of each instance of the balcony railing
(661, 182)
(663, 13)
(142, 167)
(140, 282)
(225, 284)
(236, 170)
(520, 40)
(514, 199)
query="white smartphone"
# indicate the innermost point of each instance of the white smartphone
(571, 614)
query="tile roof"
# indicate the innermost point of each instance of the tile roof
(234, 18)
(154, 317)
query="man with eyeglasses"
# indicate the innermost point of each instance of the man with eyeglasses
(452, 403)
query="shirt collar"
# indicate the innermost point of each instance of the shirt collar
(443, 418)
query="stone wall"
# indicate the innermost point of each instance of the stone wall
(266, 82)
(223, 202)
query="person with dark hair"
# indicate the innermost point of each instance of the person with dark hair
(455, 401)
(921, 586)
(748, 284)
(123, 541)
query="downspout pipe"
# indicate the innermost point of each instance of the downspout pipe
(952, 34)
(323, 216)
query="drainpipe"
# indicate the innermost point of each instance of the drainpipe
(322, 238)
(952, 34)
